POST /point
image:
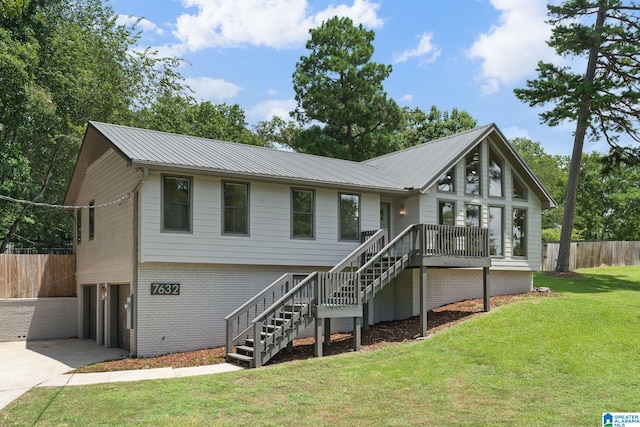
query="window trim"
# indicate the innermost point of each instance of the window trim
(502, 233)
(92, 220)
(453, 181)
(163, 229)
(453, 210)
(359, 218)
(479, 206)
(478, 171)
(516, 179)
(313, 214)
(248, 209)
(501, 163)
(525, 226)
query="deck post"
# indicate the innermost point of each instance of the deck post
(423, 301)
(423, 283)
(327, 332)
(365, 316)
(357, 333)
(318, 337)
(486, 289)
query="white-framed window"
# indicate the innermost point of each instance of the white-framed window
(495, 175)
(235, 214)
(349, 207)
(473, 215)
(519, 239)
(496, 233)
(446, 212)
(176, 203)
(302, 213)
(472, 170)
(446, 182)
(519, 189)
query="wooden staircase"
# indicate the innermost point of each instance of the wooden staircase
(271, 320)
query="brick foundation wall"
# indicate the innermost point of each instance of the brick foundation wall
(38, 319)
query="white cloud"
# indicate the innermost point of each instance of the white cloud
(512, 132)
(425, 50)
(208, 89)
(406, 98)
(266, 110)
(139, 23)
(510, 50)
(274, 23)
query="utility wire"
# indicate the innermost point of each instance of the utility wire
(120, 201)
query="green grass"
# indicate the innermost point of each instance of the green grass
(548, 361)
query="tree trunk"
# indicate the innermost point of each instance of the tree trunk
(582, 124)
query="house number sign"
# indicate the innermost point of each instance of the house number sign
(165, 289)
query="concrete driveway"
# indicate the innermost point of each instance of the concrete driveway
(25, 364)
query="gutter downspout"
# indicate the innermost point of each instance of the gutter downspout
(135, 257)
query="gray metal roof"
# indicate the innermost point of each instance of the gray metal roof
(419, 166)
(414, 168)
(148, 148)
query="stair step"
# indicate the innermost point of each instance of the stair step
(244, 350)
(240, 359)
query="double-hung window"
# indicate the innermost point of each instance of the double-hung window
(176, 203)
(302, 213)
(349, 217)
(236, 208)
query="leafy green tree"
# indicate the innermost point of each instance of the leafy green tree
(420, 127)
(552, 173)
(62, 63)
(180, 114)
(603, 101)
(608, 203)
(342, 104)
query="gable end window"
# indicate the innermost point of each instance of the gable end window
(519, 242)
(446, 182)
(349, 217)
(302, 213)
(495, 175)
(176, 203)
(235, 197)
(519, 190)
(92, 220)
(472, 168)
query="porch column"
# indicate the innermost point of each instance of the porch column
(318, 338)
(327, 332)
(486, 289)
(357, 333)
(423, 301)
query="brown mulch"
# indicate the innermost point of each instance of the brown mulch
(380, 335)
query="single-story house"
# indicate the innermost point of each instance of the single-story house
(174, 233)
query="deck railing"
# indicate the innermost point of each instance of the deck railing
(448, 240)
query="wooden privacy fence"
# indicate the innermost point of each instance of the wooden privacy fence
(33, 276)
(593, 254)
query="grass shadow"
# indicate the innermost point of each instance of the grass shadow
(588, 282)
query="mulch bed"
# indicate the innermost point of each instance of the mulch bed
(380, 335)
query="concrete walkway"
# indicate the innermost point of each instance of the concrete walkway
(24, 365)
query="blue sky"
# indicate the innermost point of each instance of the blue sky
(465, 54)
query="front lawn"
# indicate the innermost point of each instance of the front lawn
(547, 361)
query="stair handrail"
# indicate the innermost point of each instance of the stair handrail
(360, 250)
(247, 306)
(389, 246)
